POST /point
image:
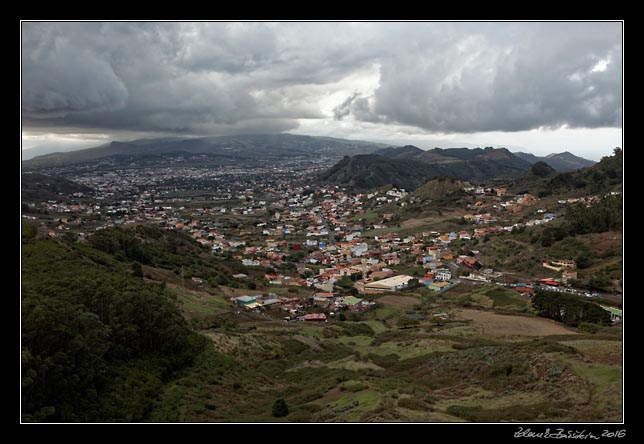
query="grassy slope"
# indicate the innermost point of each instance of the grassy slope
(333, 372)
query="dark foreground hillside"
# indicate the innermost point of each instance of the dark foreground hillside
(97, 342)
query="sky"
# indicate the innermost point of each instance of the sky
(538, 87)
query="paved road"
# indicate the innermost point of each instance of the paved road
(615, 298)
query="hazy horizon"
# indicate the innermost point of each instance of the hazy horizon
(76, 145)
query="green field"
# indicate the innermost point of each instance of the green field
(201, 302)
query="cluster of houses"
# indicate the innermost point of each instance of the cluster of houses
(323, 226)
(514, 205)
(151, 194)
(565, 266)
(328, 231)
(310, 309)
(331, 240)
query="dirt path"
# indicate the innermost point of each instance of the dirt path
(492, 324)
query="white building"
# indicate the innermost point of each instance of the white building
(442, 274)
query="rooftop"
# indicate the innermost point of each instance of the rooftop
(246, 298)
(351, 301)
(390, 282)
(613, 310)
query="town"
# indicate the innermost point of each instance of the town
(289, 232)
(322, 221)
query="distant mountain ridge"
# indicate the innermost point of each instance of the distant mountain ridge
(223, 149)
(475, 158)
(561, 162)
(410, 167)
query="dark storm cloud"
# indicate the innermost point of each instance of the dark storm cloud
(202, 78)
(511, 78)
(208, 78)
(59, 78)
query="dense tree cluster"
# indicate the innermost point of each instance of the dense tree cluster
(97, 343)
(569, 309)
(580, 219)
(605, 216)
(167, 249)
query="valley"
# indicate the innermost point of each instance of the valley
(372, 222)
(380, 305)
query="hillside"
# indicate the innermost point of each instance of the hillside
(376, 367)
(403, 152)
(34, 186)
(591, 235)
(409, 167)
(166, 249)
(479, 164)
(97, 342)
(440, 188)
(602, 177)
(561, 162)
(101, 343)
(221, 150)
(365, 172)
(100, 338)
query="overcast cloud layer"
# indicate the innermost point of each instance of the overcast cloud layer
(230, 78)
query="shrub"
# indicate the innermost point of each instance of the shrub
(589, 328)
(413, 404)
(385, 361)
(353, 386)
(294, 347)
(280, 409)
(406, 322)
